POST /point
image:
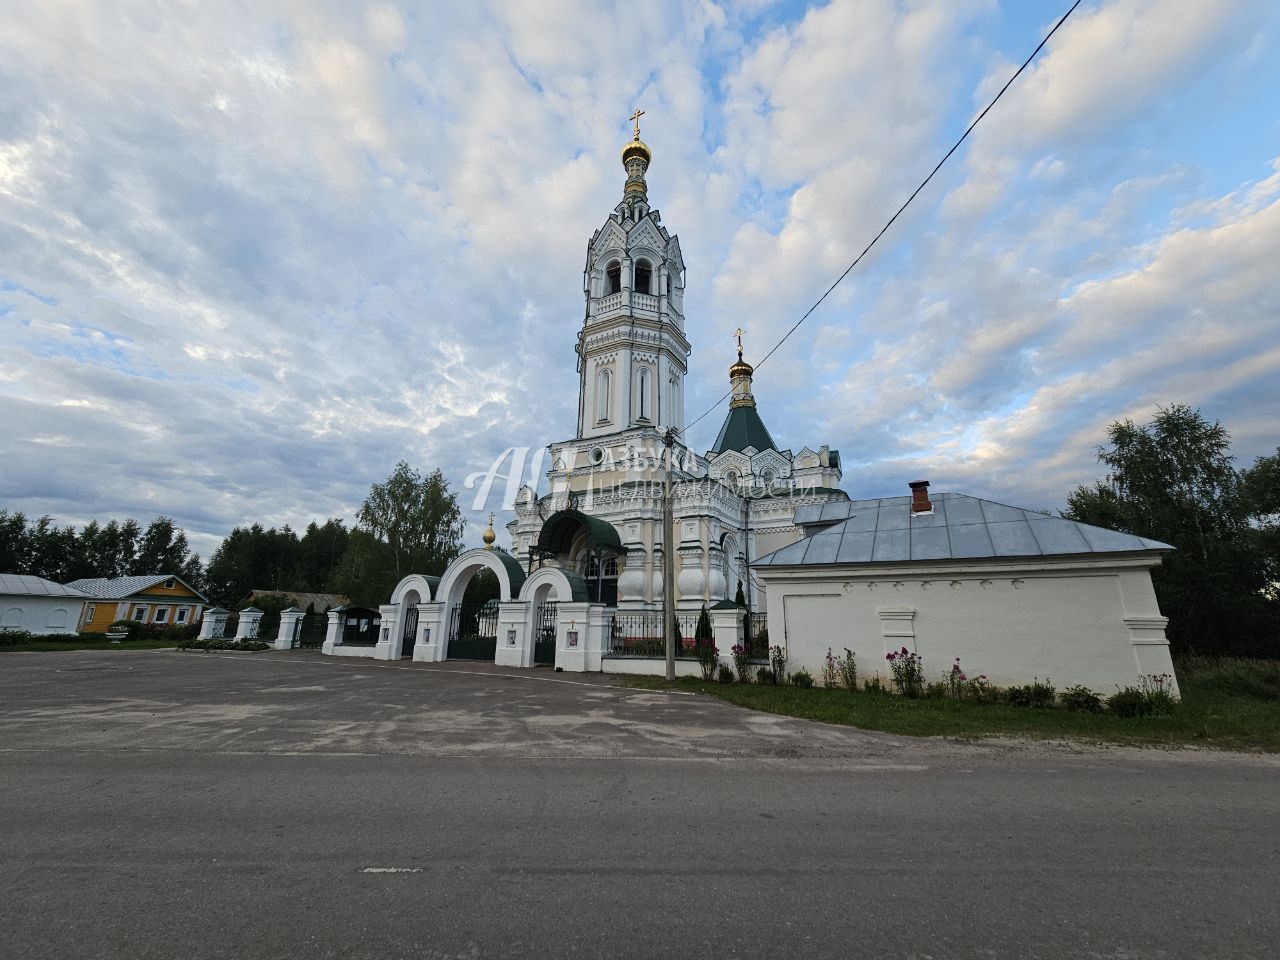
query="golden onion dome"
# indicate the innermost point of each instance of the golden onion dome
(489, 536)
(637, 148)
(741, 369)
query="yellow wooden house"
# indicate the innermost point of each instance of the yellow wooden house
(163, 598)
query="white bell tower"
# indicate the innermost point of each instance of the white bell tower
(632, 351)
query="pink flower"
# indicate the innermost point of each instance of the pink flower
(962, 676)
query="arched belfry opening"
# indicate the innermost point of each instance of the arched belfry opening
(585, 545)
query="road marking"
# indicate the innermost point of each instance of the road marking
(391, 870)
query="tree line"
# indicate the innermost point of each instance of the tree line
(410, 523)
(1174, 480)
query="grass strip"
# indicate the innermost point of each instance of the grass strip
(1224, 706)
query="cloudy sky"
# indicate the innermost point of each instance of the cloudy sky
(252, 255)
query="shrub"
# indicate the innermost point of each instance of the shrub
(1158, 689)
(955, 681)
(778, 664)
(11, 638)
(741, 662)
(873, 685)
(1043, 695)
(830, 672)
(908, 671)
(702, 632)
(802, 679)
(936, 691)
(980, 690)
(1129, 702)
(724, 674)
(1081, 699)
(1017, 696)
(848, 670)
(131, 626)
(764, 676)
(708, 658)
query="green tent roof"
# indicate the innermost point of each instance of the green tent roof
(743, 428)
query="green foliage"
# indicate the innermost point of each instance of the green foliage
(1041, 696)
(778, 664)
(1130, 702)
(802, 679)
(13, 638)
(1081, 699)
(1173, 480)
(873, 685)
(724, 674)
(741, 662)
(417, 518)
(220, 643)
(907, 669)
(708, 659)
(1235, 676)
(936, 690)
(766, 676)
(702, 632)
(41, 548)
(739, 597)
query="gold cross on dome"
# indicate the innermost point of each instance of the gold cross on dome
(635, 118)
(738, 333)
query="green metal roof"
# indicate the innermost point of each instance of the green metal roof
(743, 428)
(562, 526)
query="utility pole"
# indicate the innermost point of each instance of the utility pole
(668, 559)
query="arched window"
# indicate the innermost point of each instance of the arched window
(644, 277)
(643, 392)
(604, 390)
(613, 277)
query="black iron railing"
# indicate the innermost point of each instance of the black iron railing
(755, 632)
(641, 635)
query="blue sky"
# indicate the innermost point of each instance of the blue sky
(250, 256)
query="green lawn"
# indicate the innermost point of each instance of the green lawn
(87, 643)
(1228, 704)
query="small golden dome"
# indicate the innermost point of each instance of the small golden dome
(489, 536)
(637, 148)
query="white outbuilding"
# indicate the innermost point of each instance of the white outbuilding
(38, 605)
(1015, 594)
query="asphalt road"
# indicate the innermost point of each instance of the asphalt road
(285, 805)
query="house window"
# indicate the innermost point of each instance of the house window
(140, 614)
(644, 277)
(180, 616)
(93, 611)
(613, 278)
(168, 584)
(162, 615)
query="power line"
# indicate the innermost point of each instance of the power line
(914, 193)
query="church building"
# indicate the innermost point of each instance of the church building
(1016, 594)
(603, 515)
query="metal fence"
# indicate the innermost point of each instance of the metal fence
(755, 631)
(641, 635)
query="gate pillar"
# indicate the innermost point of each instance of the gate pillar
(515, 634)
(247, 628)
(214, 622)
(333, 632)
(289, 622)
(572, 633)
(431, 633)
(388, 645)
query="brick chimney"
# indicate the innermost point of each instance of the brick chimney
(920, 497)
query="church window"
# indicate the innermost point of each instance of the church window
(613, 278)
(644, 277)
(593, 566)
(604, 385)
(642, 394)
(731, 478)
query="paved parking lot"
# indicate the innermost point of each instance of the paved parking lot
(163, 804)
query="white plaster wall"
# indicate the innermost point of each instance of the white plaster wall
(41, 615)
(1095, 627)
(649, 666)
